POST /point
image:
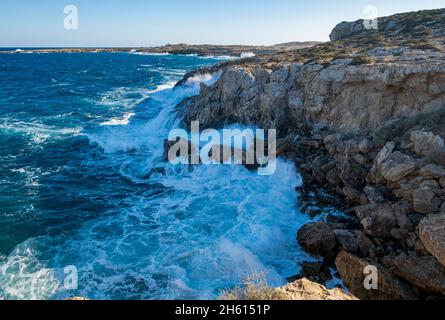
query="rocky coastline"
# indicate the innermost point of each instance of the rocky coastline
(363, 118)
(204, 50)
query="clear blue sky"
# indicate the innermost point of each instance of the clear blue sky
(39, 23)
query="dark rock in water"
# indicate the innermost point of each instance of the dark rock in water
(191, 149)
(318, 239)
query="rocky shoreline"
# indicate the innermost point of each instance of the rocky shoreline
(204, 50)
(364, 119)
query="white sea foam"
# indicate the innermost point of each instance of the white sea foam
(161, 54)
(119, 121)
(39, 133)
(247, 55)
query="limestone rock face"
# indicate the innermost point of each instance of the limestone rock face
(346, 29)
(297, 96)
(352, 272)
(432, 234)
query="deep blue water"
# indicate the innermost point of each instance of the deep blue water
(82, 183)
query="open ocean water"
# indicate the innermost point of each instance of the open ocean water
(83, 183)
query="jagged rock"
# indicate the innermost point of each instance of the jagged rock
(377, 220)
(397, 166)
(346, 29)
(352, 194)
(305, 289)
(318, 239)
(401, 211)
(432, 234)
(407, 187)
(429, 145)
(433, 170)
(422, 271)
(373, 194)
(347, 240)
(425, 200)
(352, 173)
(365, 245)
(385, 152)
(352, 268)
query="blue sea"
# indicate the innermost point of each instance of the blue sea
(83, 184)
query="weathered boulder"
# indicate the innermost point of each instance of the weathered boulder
(318, 239)
(384, 153)
(433, 170)
(347, 240)
(397, 166)
(377, 220)
(424, 272)
(425, 199)
(373, 194)
(429, 145)
(432, 234)
(352, 173)
(352, 272)
(365, 245)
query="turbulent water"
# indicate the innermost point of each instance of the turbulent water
(82, 183)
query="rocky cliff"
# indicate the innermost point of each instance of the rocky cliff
(364, 116)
